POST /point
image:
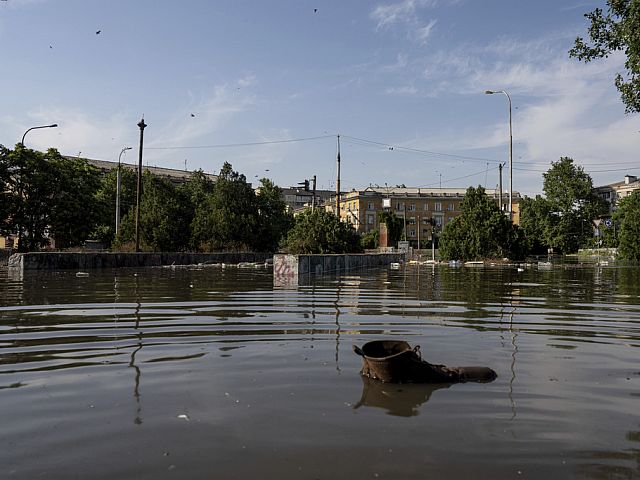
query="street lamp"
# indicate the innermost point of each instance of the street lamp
(491, 92)
(53, 125)
(118, 188)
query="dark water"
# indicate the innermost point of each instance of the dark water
(210, 373)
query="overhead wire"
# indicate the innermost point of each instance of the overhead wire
(246, 144)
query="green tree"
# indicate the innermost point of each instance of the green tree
(370, 240)
(5, 194)
(105, 197)
(165, 216)
(572, 206)
(319, 231)
(273, 219)
(74, 208)
(228, 217)
(616, 30)
(534, 213)
(395, 226)
(628, 216)
(480, 231)
(197, 191)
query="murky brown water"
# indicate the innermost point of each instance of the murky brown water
(217, 374)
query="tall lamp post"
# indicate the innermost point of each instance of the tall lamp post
(141, 126)
(53, 125)
(118, 188)
(491, 92)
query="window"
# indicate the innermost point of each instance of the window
(412, 221)
(426, 207)
(412, 233)
(450, 207)
(438, 207)
(400, 206)
(370, 206)
(412, 207)
(371, 219)
(438, 221)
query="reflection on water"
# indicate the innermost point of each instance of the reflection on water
(205, 372)
(402, 400)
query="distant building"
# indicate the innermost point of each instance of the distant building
(174, 175)
(297, 198)
(416, 206)
(614, 192)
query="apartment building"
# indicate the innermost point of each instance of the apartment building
(614, 192)
(416, 206)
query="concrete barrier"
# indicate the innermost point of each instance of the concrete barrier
(290, 269)
(95, 260)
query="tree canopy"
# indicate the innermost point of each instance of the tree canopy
(617, 29)
(480, 231)
(45, 194)
(319, 231)
(571, 206)
(628, 216)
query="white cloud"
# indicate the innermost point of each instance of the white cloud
(423, 33)
(405, 90)
(77, 132)
(405, 14)
(209, 114)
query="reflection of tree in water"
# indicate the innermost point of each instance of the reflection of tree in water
(401, 400)
(607, 464)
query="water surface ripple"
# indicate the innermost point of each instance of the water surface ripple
(217, 373)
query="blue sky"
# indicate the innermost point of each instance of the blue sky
(401, 81)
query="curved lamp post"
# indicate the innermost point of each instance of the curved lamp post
(53, 125)
(491, 92)
(118, 188)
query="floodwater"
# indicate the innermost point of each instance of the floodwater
(189, 373)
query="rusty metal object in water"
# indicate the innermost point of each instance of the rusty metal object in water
(395, 361)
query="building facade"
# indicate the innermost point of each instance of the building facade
(421, 209)
(614, 192)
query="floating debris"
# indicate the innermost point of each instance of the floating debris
(82, 274)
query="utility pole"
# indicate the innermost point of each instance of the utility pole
(313, 199)
(500, 194)
(142, 126)
(338, 182)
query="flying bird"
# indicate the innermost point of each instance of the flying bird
(193, 115)
(315, 10)
(98, 32)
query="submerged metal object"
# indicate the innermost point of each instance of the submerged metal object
(395, 361)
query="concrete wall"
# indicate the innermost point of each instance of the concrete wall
(93, 260)
(289, 269)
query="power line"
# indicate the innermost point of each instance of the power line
(246, 144)
(448, 180)
(420, 151)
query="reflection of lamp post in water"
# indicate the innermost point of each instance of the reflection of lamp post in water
(132, 364)
(118, 188)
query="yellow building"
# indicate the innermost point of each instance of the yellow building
(416, 206)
